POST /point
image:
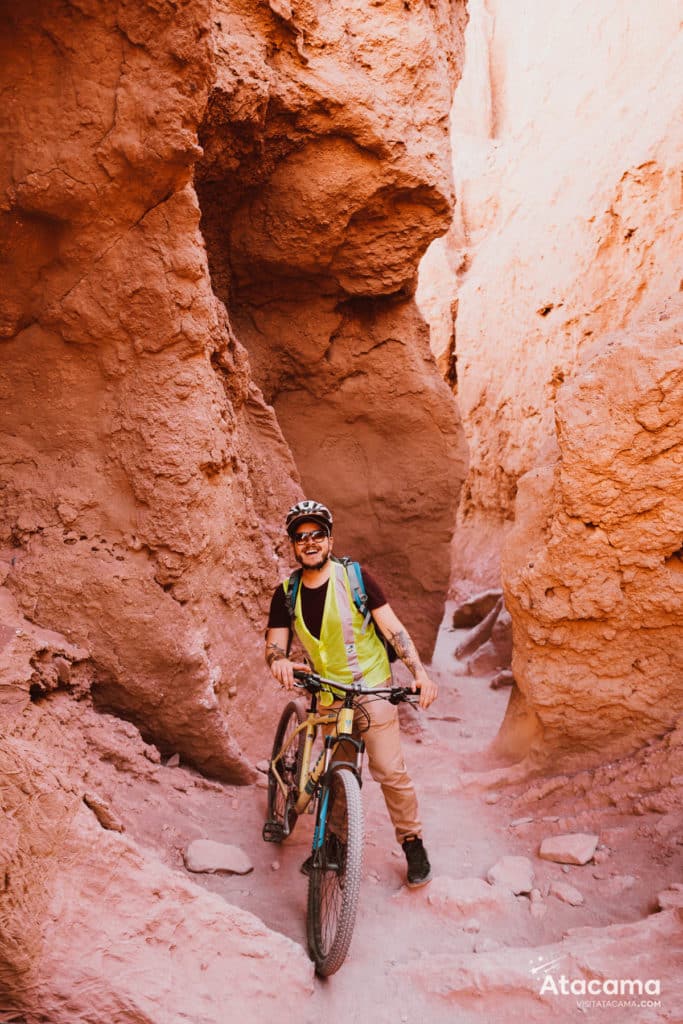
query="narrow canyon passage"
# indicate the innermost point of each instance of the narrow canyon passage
(420, 260)
(459, 949)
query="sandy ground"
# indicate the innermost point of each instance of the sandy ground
(399, 932)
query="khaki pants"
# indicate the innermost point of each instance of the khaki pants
(385, 760)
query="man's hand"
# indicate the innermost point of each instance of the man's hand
(429, 691)
(282, 669)
(395, 632)
(280, 665)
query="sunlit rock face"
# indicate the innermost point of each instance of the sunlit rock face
(552, 302)
(593, 566)
(567, 146)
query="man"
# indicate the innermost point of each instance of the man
(344, 648)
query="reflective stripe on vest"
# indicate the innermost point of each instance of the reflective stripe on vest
(346, 651)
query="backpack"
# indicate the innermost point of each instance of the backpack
(360, 598)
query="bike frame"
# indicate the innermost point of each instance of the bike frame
(342, 717)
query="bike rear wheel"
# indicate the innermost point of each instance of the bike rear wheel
(281, 816)
(333, 889)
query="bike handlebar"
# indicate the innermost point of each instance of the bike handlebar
(314, 683)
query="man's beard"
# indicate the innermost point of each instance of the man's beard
(324, 558)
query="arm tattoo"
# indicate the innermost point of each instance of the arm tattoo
(405, 648)
(274, 653)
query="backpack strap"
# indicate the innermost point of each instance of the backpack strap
(291, 591)
(293, 584)
(360, 598)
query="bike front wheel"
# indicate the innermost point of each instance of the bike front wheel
(334, 883)
(281, 815)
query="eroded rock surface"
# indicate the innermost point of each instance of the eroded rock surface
(593, 568)
(559, 236)
(93, 928)
(325, 175)
(144, 474)
(138, 450)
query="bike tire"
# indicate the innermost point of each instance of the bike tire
(281, 809)
(333, 894)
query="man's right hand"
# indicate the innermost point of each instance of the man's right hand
(283, 671)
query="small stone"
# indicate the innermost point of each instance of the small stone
(601, 856)
(486, 945)
(103, 813)
(566, 869)
(235, 804)
(572, 848)
(538, 909)
(513, 873)
(619, 883)
(275, 866)
(63, 670)
(173, 761)
(566, 893)
(208, 856)
(520, 821)
(466, 895)
(671, 898)
(465, 733)
(262, 766)
(472, 925)
(232, 692)
(492, 798)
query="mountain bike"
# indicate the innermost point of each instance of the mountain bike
(331, 789)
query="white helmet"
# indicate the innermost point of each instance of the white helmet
(308, 510)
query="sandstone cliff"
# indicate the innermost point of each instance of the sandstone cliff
(554, 317)
(212, 215)
(567, 226)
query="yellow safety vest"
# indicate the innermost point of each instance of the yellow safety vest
(346, 651)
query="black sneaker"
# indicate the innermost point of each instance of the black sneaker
(419, 868)
(333, 858)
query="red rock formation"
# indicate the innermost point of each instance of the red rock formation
(143, 474)
(138, 448)
(560, 238)
(323, 179)
(567, 227)
(594, 564)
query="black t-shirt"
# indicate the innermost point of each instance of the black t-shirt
(313, 604)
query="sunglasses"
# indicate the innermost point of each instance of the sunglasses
(299, 538)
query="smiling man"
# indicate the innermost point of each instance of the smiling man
(342, 647)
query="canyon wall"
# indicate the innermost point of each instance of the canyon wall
(212, 215)
(553, 302)
(324, 177)
(567, 226)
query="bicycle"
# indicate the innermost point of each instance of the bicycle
(331, 790)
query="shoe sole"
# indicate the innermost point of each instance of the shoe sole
(422, 881)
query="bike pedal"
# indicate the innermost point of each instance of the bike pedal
(273, 832)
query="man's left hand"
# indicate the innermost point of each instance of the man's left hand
(429, 691)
